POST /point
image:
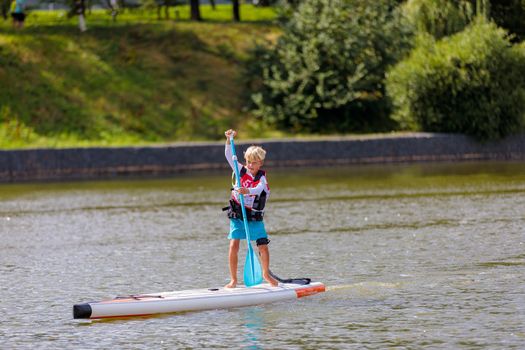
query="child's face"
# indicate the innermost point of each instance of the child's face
(253, 165)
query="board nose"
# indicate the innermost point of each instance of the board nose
(82, 311)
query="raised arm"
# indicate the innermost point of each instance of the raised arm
(228, 150)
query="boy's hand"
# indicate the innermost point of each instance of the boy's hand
(243, 190)
(229, 133)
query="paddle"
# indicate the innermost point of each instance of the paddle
(252, 266)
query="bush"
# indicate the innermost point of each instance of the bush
(326, 72)
(446, 17)
(469, 83)
(439, 18)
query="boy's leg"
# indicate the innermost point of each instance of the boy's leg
(233, 259)
(265, 261)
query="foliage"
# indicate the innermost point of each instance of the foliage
(439, 18)
(446, 17)
(326, 71)
(469, 83)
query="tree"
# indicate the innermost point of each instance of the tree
(195, 12)
(439, 18)
(114, 8)
(446, 17)
(236, 11)
(327, 70)
(5, 4)
(78, 8)
(166, 4)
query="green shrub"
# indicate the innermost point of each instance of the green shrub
(327, 70)
(446, 17)
(439, 18)
(469, 83)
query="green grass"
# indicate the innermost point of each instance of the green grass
(222, 13)
(139, 80)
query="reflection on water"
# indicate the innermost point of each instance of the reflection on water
(253, 326)
(414, 256)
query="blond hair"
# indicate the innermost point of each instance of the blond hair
(254, 154)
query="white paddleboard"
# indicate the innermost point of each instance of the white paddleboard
(192, 300)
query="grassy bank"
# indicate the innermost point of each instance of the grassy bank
(136, 81)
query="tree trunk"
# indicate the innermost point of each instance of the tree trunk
(114, 7)
(81, 12)
(6, 4)
(212, 3)
(82, 23)
(195, 10)
(236, 12)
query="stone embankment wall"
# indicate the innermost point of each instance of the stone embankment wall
(97, 163)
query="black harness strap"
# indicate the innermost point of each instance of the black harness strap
(235, 212)
(138, 297)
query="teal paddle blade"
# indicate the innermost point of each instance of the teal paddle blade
(252, 269)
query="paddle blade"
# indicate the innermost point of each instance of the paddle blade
(252, 270)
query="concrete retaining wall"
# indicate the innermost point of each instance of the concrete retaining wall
(95, 163)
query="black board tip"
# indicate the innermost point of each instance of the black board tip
(82, 311)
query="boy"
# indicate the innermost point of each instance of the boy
(256, 190)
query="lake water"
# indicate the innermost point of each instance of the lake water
(426, 255)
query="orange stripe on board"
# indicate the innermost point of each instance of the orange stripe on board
(304, 292)
(127, 300)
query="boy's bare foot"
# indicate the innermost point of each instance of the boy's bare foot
(270, 280)
(232, 284)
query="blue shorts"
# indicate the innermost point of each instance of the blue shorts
(256, 228)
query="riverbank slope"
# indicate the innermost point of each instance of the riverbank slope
(137, 81)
